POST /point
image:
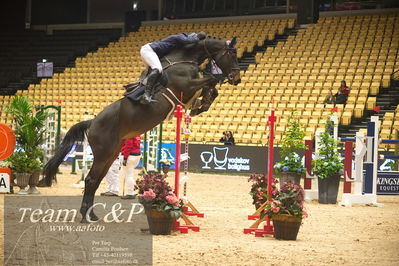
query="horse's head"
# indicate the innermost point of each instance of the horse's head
(224, 54)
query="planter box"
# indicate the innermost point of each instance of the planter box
(34, 179)
(290, 176)
(159, 222)
(328, 189)
(286, 226)
(23, 179)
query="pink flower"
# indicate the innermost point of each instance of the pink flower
(276, 209)
(171, 199)
(149, 195)
(259, 189)
(275, 191)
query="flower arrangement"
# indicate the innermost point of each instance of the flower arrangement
(258, 189)
(155, 192)
(286, 200)
(291, 163)
(290, 144)
(329, 162)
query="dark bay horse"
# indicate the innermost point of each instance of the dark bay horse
(125, 119)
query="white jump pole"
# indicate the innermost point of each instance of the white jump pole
(366, 158)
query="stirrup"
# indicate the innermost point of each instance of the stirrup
(143, 100)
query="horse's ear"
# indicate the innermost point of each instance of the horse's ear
(233, 42)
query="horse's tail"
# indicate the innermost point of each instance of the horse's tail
(76, 133)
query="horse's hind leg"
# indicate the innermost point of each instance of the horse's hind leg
(99, 169)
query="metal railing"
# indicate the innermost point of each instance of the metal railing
(395, 75)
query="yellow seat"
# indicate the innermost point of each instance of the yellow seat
(346, 118)
(359, 109)
(371, 102)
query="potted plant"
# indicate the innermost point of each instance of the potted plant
(286, 209)
(29, 128)
(290, 168)
(166, 163)
(161, 205)
(22, 167)
(328, 166)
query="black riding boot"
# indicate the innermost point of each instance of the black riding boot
(149, 89)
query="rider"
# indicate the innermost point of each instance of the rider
(152, 52)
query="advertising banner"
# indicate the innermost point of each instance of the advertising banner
(388, 183)
(233, 159)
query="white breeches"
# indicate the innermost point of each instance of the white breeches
(112, 178)
(128, 172)
(150, 58)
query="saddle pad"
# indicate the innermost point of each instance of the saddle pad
(137, 92)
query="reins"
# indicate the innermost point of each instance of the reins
(170, 63)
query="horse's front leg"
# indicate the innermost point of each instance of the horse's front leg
(207, 99)
(208, 84)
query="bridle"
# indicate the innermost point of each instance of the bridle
(219, 54)
(214, 57)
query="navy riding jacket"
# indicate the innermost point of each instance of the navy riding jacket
(163, 47)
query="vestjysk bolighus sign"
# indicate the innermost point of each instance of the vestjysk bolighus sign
(221, 158)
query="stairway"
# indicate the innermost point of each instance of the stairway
(249, 58)
(387, 98)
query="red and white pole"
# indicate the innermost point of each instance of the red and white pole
(272, 119)
(186, 131)
(176, 226)
(268, 227)
(178, 114)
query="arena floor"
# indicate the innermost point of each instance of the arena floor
(333, 235)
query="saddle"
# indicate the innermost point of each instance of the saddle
(136, 89)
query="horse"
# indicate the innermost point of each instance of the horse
(124, 119)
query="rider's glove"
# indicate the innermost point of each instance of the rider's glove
(192, 35)
(201, 35)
